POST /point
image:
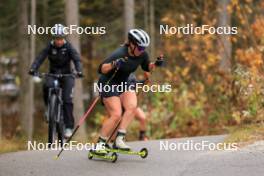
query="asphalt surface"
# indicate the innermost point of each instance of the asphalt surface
(171, 162)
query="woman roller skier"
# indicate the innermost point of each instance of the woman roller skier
(140, 115)
(115, 71)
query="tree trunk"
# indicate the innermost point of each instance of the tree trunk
(90, 56)
(225, 45)
(45, 12)
(32, 37)
(0, 123)
(152, 29)
(72, 18)
(32, 57)
(129, 15)
(26, 86)
(146, 15)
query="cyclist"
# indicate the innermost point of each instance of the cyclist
(117, 68)
(60, 54)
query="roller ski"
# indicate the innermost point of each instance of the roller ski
(101, 152)
(121, 147)
(143, 153)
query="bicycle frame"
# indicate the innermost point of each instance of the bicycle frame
(57, 91)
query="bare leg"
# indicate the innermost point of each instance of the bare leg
(113, 107)
(129, 102)
(141, 117)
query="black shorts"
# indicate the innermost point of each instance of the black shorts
(112, 90)
(113, 93)
(125, 86)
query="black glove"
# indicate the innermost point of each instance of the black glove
(79, 74)
(118, 63)
(160, 61)
(32, 72)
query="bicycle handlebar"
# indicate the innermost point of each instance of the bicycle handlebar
(41, 75)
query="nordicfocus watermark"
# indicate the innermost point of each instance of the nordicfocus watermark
(71, 29)
(125, 86)
(190, 145)
(190, 29)
(72, 145)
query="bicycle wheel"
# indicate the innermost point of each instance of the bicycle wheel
(53, 111)
(60, 129)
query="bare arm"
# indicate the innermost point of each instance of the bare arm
(105, 68)
(151, 66)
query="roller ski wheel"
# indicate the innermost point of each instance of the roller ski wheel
(90, 155)
(113, 158)
(143, 153)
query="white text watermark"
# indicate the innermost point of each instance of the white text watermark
(72, 145)
(124, 87)
(71, 29)
(190, 29)
(190, 145)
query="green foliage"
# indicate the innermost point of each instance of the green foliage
(248, 93)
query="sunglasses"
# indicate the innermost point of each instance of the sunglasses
(141, 48)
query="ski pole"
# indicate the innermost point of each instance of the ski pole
(85, 116)
(79, 124)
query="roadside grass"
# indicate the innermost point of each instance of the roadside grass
(12, 145)
(245, 134)
(19, 142)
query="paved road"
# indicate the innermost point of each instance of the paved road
(159, 162)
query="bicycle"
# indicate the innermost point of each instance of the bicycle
(55, 105)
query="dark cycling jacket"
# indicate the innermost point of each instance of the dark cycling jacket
(59, 58)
